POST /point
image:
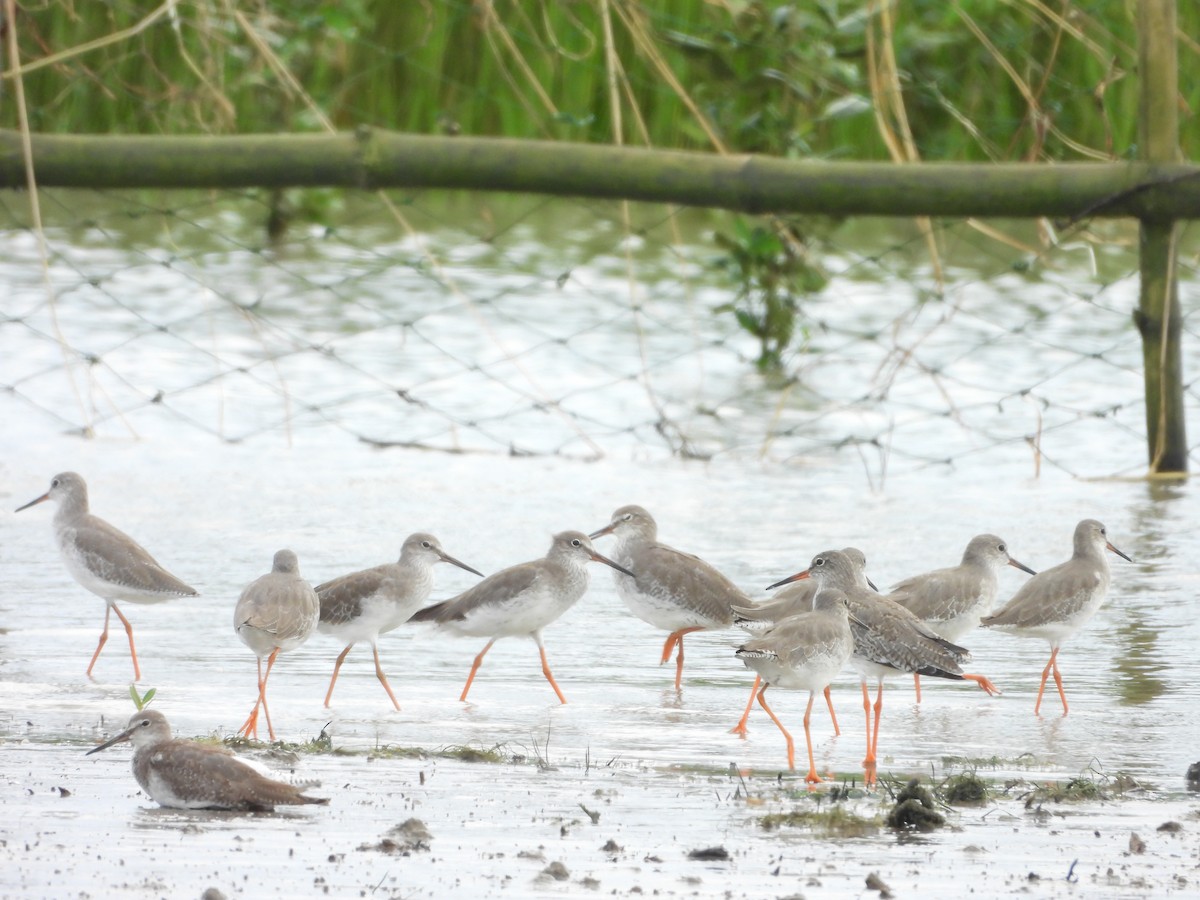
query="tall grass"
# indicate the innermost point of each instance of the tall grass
(981, 79)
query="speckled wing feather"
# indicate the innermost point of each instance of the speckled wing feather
(115, 557)
(270, 606)
(706, 590)
(937, 596)
(199, 774)
(887, 633)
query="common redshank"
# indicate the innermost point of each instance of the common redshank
(186, 775)
(804, 651)
(105, 560)
(951, 601)
(795, 598)
(888, 639)
(673, 591)
(521, 600)
(276, 612)
(1056, 603)
(363, 605)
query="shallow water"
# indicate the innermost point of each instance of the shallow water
(653, 763)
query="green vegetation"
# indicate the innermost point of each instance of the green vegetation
(834, 821)
(1054, 81)
(772, 272)
(1089, 786)
(141, 701)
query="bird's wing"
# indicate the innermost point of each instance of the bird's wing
(116, 557)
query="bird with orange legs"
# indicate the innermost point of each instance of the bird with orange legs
(791, 600)
(105, 560)
(673, 591)
(951, 601)
(363, 605)
(804, 652)
(1057, 602)
(522, 600)
(888, 640)
(275, 613)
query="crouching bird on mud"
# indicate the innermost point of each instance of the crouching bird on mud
(182, 774)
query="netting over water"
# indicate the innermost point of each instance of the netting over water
(521, 325)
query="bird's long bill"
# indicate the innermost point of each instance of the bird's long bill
(608, 562)
(46, 497)
(607, 529)
(871, 585)
(799, 576)
(1024, 568)
(446, 557)
(1106, 544)
(123, 736)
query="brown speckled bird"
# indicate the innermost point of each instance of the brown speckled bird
(185, 775)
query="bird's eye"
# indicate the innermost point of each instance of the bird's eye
(628, 517)
(426, 545)
(818, 561)
(145, 723)
(576, 542)
(54, 483)
(1002, 548)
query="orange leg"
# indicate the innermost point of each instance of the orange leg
(1051, 666)
(251, 724)
(917, 685)
(103, 640)
(337, 667)
(382, 678)
(812, 777)
(550, 678)
(791, 746)
(740, 727)
(475, 668)
(832, 714)
(676, 637)
(1061, 693)
(878, 711)
(984, 684)
(870, 757)
(112, 607)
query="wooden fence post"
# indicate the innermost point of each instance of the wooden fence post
(1158, 316)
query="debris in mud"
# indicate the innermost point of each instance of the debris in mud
(594, 816)
(709, 853)
(1136, 844)
(875, 883)
(1170, 828)
(915, 809)
(556, 871)
(408, 836)
(611, 846)
(212, 893)
(1193, 777)
(965, 789)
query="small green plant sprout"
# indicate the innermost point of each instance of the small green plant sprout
(141, 701)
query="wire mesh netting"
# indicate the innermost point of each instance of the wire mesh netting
(521, 325)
